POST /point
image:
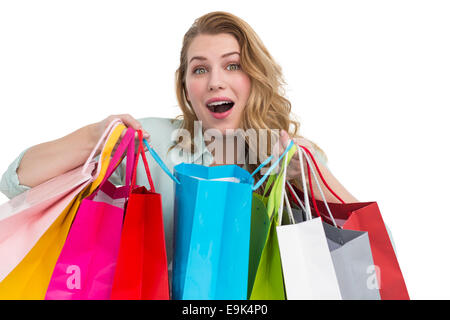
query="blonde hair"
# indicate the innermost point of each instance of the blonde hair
(266, 108)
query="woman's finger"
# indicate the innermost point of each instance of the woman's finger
(129, 121)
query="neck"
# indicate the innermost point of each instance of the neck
(225, 151)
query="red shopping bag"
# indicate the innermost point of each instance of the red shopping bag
(141, 271)
(366, 216)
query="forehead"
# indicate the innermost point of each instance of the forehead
(212, 46)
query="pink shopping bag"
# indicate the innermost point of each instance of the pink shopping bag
(26, 217)
(86, 265)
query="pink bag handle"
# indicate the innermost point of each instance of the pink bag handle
(144, 159)
(112, 125)
(127, 142)
(130, 162)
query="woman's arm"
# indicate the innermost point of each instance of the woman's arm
(294, 174)
(47, 160)
(50, 159)
(333, 183)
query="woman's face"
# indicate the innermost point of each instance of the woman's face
(214, 73)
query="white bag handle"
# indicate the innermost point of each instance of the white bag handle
(295, 195)
(308, 211)
(283, 196)
(318, 185)
(283, 192)
(289, 209)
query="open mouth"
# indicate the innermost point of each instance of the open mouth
(221, 108)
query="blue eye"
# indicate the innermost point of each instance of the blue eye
(235, 64)
(232, 64)
(195, 71)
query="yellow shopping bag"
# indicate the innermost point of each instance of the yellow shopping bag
(30, 279)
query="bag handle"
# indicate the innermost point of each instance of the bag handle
(261, 181)
(270, 179)
(105, 136)
(293, 194)
(265, 162)
(307, 207)
(144, 159)
(127, 142)
(309, 164)
(105, 157)
(130, 162)
(289, 209)
(160, 162)
(283, 194)
(276, 194)
(321, 176)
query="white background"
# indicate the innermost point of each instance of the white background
(369, 81)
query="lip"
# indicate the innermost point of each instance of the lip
(222, 115)
(218, 99)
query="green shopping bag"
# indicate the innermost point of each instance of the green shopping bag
(260, 225)
(265, 281)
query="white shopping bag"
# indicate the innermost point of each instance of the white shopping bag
(308, 268)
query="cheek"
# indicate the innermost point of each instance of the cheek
(244, 86)
(194, 90)
(195, 93)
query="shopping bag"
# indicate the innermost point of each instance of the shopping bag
(25, 218)
(352, 260)
(350, 250)
(366, 216)
(212, 231)
(259, 230)
(265, 280)
(86, 265)
(141, 271)
(268, 280)
(30, 278)
(308, 269)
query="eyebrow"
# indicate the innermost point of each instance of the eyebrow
(223, 56)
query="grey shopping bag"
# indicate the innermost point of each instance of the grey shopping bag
(352, 259)
(353, 263)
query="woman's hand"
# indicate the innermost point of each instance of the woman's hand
(293, 170)
(50, 159)
(128, 121)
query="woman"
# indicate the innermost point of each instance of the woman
(222, 59)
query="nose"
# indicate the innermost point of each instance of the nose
(216, 81)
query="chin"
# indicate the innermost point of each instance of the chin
(224, 128)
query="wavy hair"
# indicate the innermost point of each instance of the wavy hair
(266, 108)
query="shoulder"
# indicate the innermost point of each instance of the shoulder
(161, 130)
(159, 125)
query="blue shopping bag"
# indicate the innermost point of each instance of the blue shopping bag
(212, 230)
